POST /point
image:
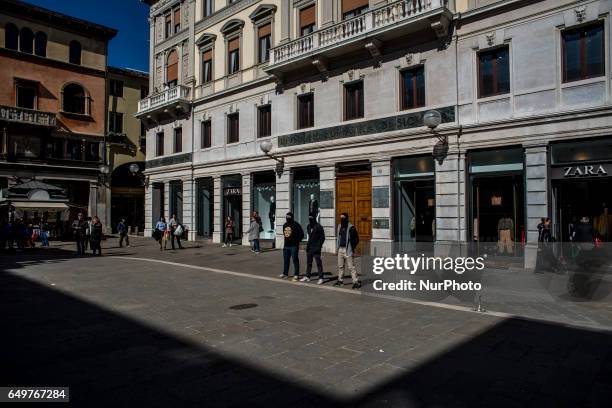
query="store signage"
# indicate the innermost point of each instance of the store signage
(326, 199)
(230, 191)
(596, 170)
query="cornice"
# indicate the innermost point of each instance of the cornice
(222, 14)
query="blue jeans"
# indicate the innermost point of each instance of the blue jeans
(256, 245)
(288, 253)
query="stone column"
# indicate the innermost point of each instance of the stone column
(148, 211)
(536, 201)
(152, 58)
(382, 233)
(246, 206)
(217, 214)
(166, 211)
(283, 203)
(327, 13)
(450, 198)
(327, 205)
(285, 19)
(189, 218)
(93, 199)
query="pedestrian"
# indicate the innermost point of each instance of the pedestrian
(79, 227)
(44, 233)
(229, 232)
(347, 240)
(87, 233)
(293, 233)
(316, 238)
(253, 233)
(95, 237)
(176, 230)
(160, 233)
(122, 229)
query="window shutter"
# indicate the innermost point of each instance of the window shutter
(264, 30)
(177, 16)
(207, 55)
(307, 16)
(350, 5)
(233, 44)
(172, 73)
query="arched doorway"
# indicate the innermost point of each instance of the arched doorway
(127, 197)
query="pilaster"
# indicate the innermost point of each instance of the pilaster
(217, 235)
(246, 206)
(327, 205)
(450, 198)
(283, 185)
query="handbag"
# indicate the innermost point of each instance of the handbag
(178, 231)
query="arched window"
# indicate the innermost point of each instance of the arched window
(75, 99)
(26, 40)
(75, 52)
(40, 44)
(11, 36)
(172, 69)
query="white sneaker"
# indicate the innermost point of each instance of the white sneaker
(283, 276)
(230, 244)
(320, 282)
(223, 246)
(305, 279)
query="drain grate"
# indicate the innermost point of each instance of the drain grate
(243, 306)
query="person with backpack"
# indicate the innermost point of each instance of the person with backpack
(122, 229)
(347, 240)
(316, 238)
(293, 233)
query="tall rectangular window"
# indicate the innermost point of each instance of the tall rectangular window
(159, 144)
(115, 122)
(26, 96)
(412, 88)
(353, 8)
(167, 25)
(207, 65)
(206, 137)
(142, 141)
(208, 7)
(307, 20)
(353, 100)
(233, 55)
(233, 135)
(144, 91)
(583, 53)
(264, 121)
(178, 140)
(265, 40)
(177, 20)
(305, 111)
(494, 72)
(115, 88)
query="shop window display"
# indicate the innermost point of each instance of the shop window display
(306, 189)
(264, 202)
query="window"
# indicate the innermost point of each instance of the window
(233, 128)
(40, 44)
(264, 121)
(172, 69)
(159, 144)
(412, 88)
(207, 66)
(26, 96)
(142, 141)
(265, 40)
(116, 88)
(206, 137)
(233, 56)
(583, 53)
(75, 99)
(353, 8)
(353, 100)
(307, 20)
(305, 111)
(208, 7)
(11, 36)
(115, 122)
(75, 52)
(167, 25)
(74, 149)
(494, 72)
(92, 151)
(26, 40)
(144, 91)
(178, 140)
(177, 20)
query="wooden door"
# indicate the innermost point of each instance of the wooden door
(354, 197)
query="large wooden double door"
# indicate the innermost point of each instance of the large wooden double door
(354, 197)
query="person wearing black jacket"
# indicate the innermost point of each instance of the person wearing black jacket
(78, 228)
(293, 234)
(95, 238)
(316, 238)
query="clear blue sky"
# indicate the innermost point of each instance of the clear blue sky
(130, 48)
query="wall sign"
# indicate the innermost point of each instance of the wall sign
(380, 197)
(581, 171)
(326, 199)
(232, 191)
(380, 223)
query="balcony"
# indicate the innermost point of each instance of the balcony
(170, 103)
(367, 31)
(27, 116)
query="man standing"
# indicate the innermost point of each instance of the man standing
(78, 229)
(316, 238)
(347, 240)
(176, 230)
(123, 233)
(293, 234)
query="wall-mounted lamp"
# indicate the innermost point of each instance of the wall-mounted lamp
(266, 147)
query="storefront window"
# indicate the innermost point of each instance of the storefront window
(24, 146)
(581, 151)
(232, 204)
(306, 189)
(264, 202)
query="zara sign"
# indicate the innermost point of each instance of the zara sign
(581, 171)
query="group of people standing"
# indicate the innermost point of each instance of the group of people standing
(168, 231)
(88, 232)
(23, 234)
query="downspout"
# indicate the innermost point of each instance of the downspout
(459, 131)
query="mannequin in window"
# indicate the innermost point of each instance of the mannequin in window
(505, 232)
(272, 213)
(603, 224)
(313, 208)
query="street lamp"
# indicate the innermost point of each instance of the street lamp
(266, 147)
(135, 170)
(432, 119)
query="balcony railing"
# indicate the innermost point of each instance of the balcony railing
(359, 26)
(178, 93)
(27, 116)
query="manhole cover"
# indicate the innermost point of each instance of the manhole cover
(243, 306)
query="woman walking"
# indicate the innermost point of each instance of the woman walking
(161, 230)
(229, 232)
(253, 232)
(95, 237)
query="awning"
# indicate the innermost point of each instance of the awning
(37, 205)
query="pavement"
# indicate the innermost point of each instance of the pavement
(211, 326)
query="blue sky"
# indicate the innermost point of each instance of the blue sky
(130, 48)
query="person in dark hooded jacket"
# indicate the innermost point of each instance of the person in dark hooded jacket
(293, 234)
(316, 238)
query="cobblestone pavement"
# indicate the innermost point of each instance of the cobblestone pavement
(127, 330)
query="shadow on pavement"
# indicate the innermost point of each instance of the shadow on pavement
(54, 339)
